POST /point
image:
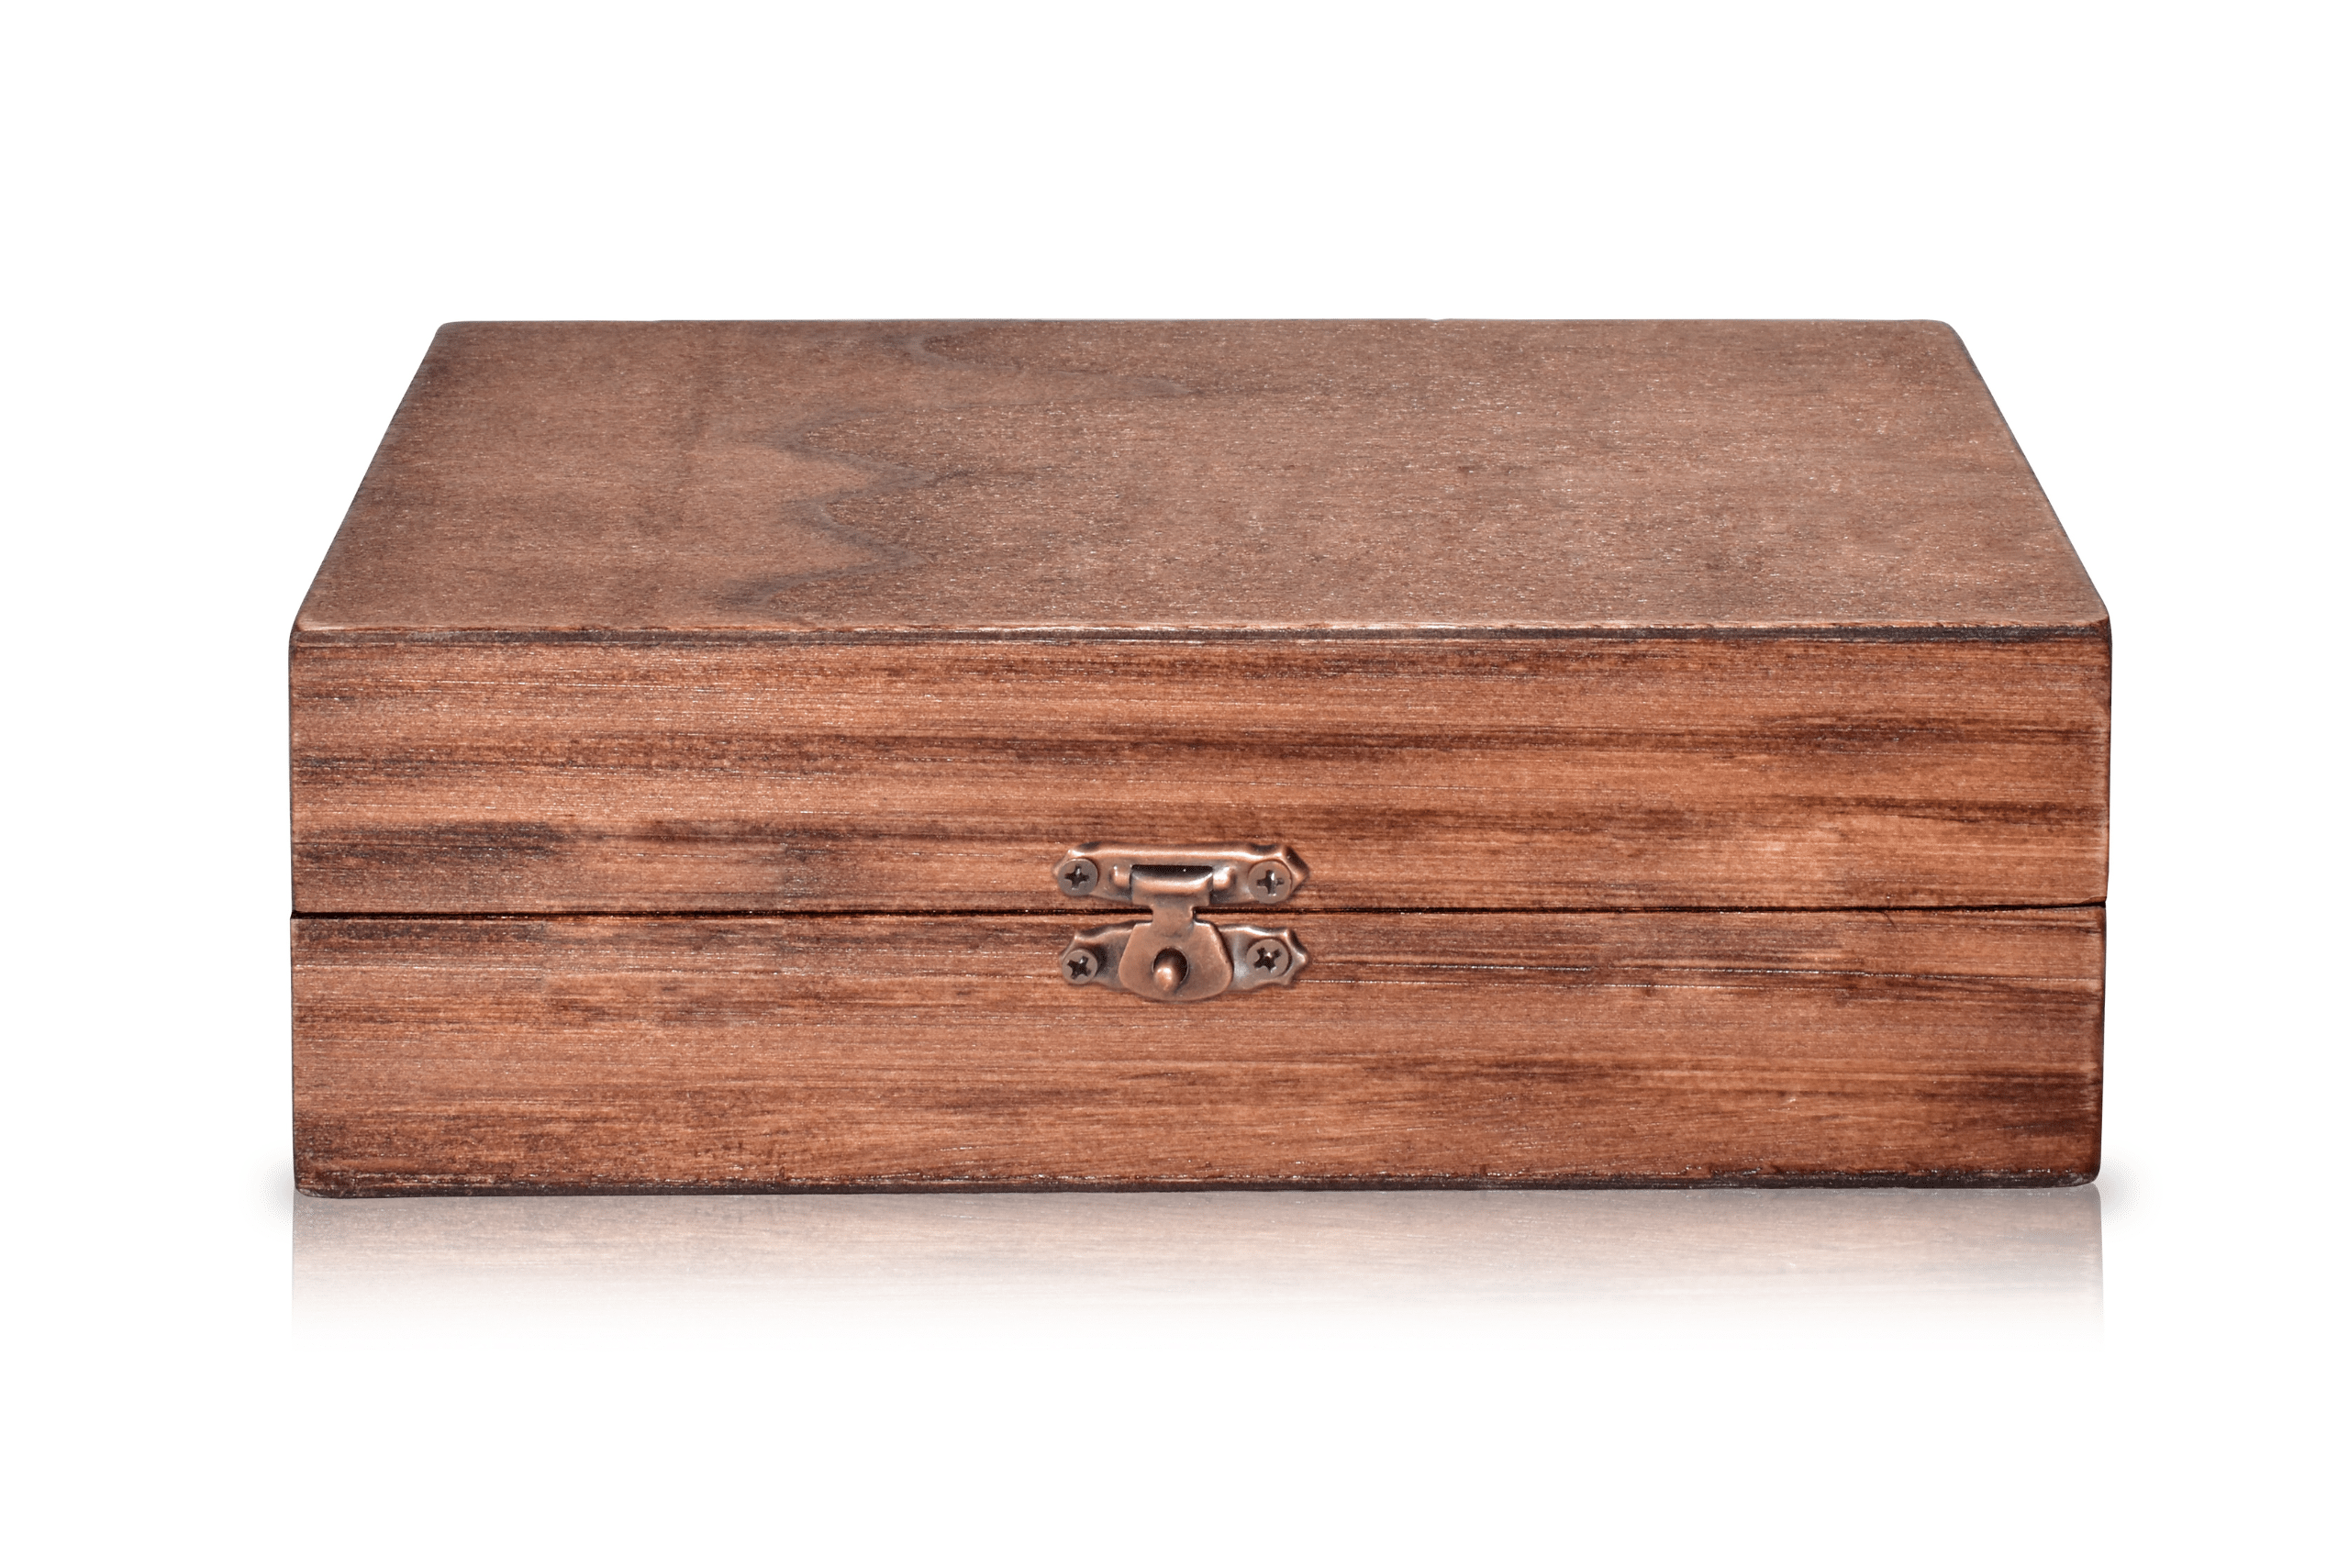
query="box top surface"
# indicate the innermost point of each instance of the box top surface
(1398, 477)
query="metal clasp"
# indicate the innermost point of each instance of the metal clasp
(1174, 956)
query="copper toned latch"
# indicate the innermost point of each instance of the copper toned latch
(1174, 956)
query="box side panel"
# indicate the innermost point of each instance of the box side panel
(1583, 772)
(763, 1053)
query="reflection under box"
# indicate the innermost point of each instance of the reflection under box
(2027, 1258)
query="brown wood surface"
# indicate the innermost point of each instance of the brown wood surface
(881, 478)
(721, 1053)
(1478, 616)
(1593, 772)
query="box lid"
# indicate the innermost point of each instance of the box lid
(1373, 476)
(742, 616)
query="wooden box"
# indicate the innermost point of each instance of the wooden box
(1638, 752)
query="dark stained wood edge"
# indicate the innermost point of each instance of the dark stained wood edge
(2006, 1180)
(2098, 630)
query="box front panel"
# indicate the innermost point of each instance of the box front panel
(1583, 772)
(718, 1053)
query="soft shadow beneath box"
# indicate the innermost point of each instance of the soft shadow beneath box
(2026, 1259)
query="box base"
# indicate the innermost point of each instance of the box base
(877, 1053)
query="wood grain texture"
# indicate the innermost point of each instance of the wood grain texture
(1503, 619)
(1591, 773)
(879, 1051)
(883, 478)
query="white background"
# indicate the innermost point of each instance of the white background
(231, 231)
